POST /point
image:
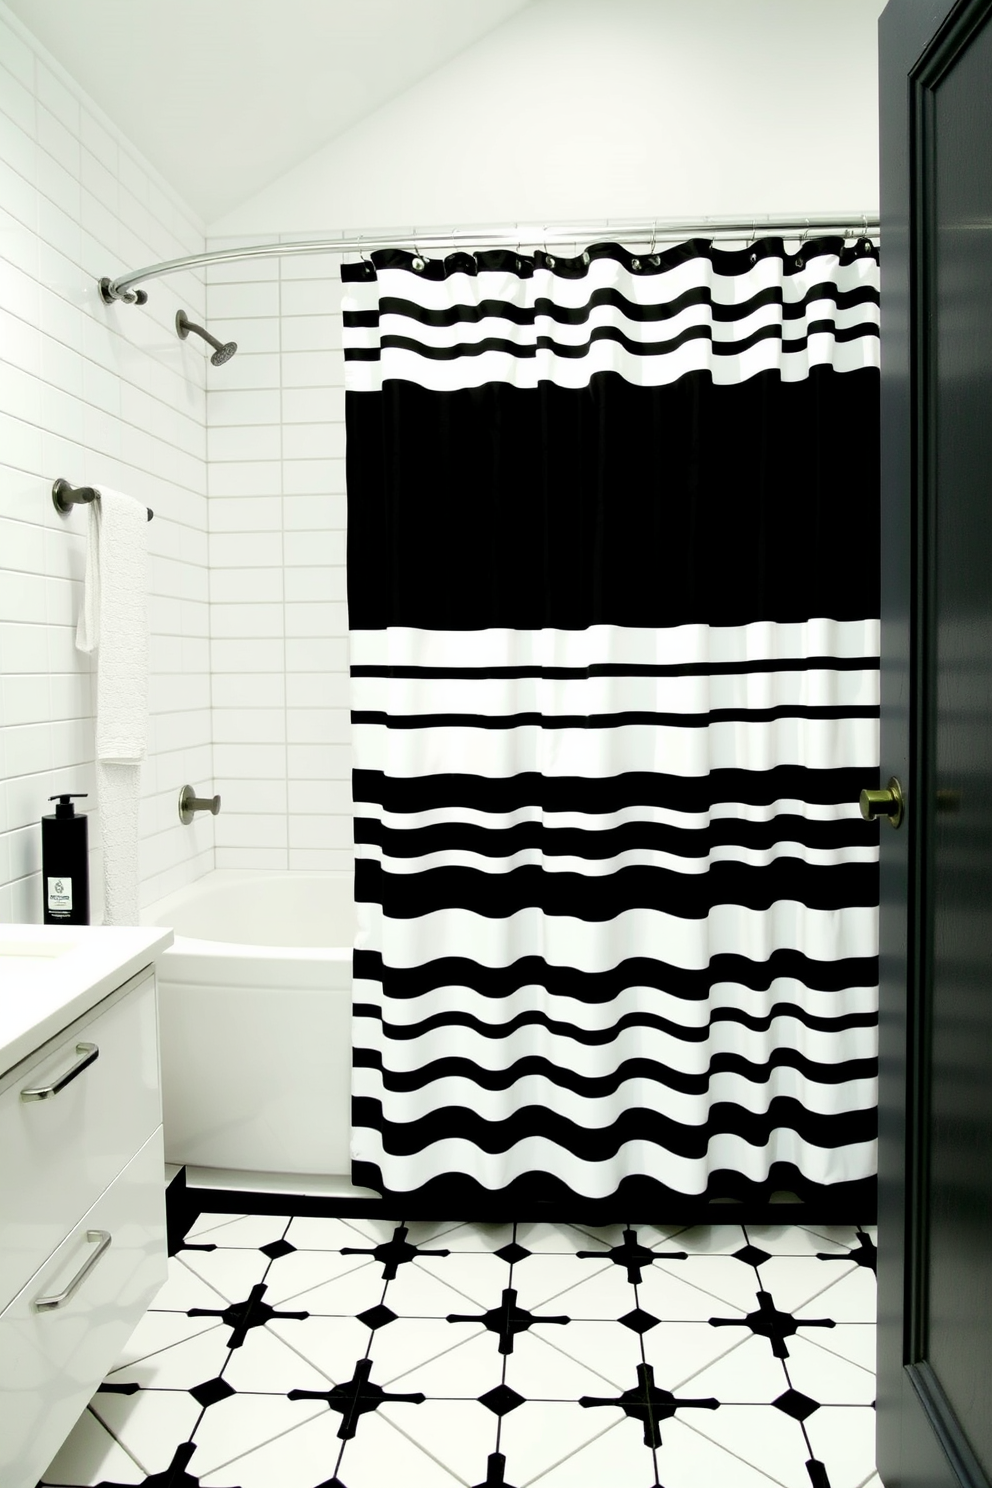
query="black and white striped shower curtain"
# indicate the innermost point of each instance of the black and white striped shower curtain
(613, 603)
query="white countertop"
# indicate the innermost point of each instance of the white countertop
(52, 974)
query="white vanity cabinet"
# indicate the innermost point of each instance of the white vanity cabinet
(82, 1217)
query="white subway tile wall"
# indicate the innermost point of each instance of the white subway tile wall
(102, 396)
(279, 624)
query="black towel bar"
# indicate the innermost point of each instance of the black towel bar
(65, 497)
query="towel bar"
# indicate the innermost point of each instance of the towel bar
(65, 497)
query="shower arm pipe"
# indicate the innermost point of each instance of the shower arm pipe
(656, 230)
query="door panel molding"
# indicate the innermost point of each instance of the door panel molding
(920, 1443)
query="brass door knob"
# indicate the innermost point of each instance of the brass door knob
(889, 802)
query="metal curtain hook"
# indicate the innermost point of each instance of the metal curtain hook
(654, 236)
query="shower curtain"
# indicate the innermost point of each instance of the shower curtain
(613, 599)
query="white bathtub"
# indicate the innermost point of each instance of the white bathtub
(255, 1009)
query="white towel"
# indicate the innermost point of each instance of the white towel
(114, 622)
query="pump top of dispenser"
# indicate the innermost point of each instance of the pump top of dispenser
(65, 806)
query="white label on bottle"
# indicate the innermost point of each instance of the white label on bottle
(59, 895)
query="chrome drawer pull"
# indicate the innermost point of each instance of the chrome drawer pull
(46, 1304)
(89, 1053)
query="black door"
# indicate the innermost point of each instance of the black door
(935, 1149)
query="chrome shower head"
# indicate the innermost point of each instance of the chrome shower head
(224, 351)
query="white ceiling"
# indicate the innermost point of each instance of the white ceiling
(224, 96)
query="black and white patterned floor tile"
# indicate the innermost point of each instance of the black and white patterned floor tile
(359, 1353)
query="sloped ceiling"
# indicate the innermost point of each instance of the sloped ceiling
(224, 96)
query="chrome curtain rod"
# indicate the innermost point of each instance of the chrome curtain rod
(639, 230)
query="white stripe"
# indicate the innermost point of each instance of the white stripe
(408, 1055)
(727, 370)
(498, 753)
(690, 1013)
(629, 858)
(564, 940)
(611, 274)
(646, 333)
(822, 1165)
(596, 1112)
(504, 696)
(608, 820)
(623, 645)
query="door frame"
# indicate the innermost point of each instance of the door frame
(919, 1441)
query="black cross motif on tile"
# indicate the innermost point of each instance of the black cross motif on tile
(354, 1398)
(393, 1252)
(495, 1470)
(633, 1255)
(506, 1319)
(768, 1322)
(649, 1404)
(241, 1316)
(865, 1255)
(174, 1476)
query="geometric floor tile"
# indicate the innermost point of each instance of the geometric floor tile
(184, 1288)
(828, 1378)
(148, 1424)
(245, 1231)
(367, 1353)
(539, 1435)
(850, 1299)
(298, 1459)
(243, 1422)
(91, 1455)
(758, 1435)
(323, 1282)
(844, 1438)
(164, 1364)
(382, 1454)
(746, 1375)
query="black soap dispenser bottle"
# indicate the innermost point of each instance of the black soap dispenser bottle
(65, 867)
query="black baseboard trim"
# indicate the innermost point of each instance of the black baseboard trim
(845, 1204)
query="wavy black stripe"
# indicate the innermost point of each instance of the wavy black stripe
(683, 895)
(568, 351)
(690, 984)
(598, 1144)
(697, 1034)
(630, 789)
(546, 309)
(608, 720)
(607, 842)
(597, 1086)
(615, 669)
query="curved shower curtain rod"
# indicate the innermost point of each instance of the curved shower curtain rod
(656, 230)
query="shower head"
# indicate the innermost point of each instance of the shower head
(224, 350)
(223, 354)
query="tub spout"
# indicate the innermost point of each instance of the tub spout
(190, 803)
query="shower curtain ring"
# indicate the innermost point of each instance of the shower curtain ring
(547, 256)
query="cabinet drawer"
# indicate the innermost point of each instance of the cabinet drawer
(52, 1361)
(58, 1155)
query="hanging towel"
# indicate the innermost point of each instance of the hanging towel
(113, 622)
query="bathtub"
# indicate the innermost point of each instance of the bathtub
(255, 1014)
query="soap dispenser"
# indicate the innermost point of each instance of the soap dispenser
(65, 875)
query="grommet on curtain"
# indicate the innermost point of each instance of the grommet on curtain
(635, 264)
(587, 258)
